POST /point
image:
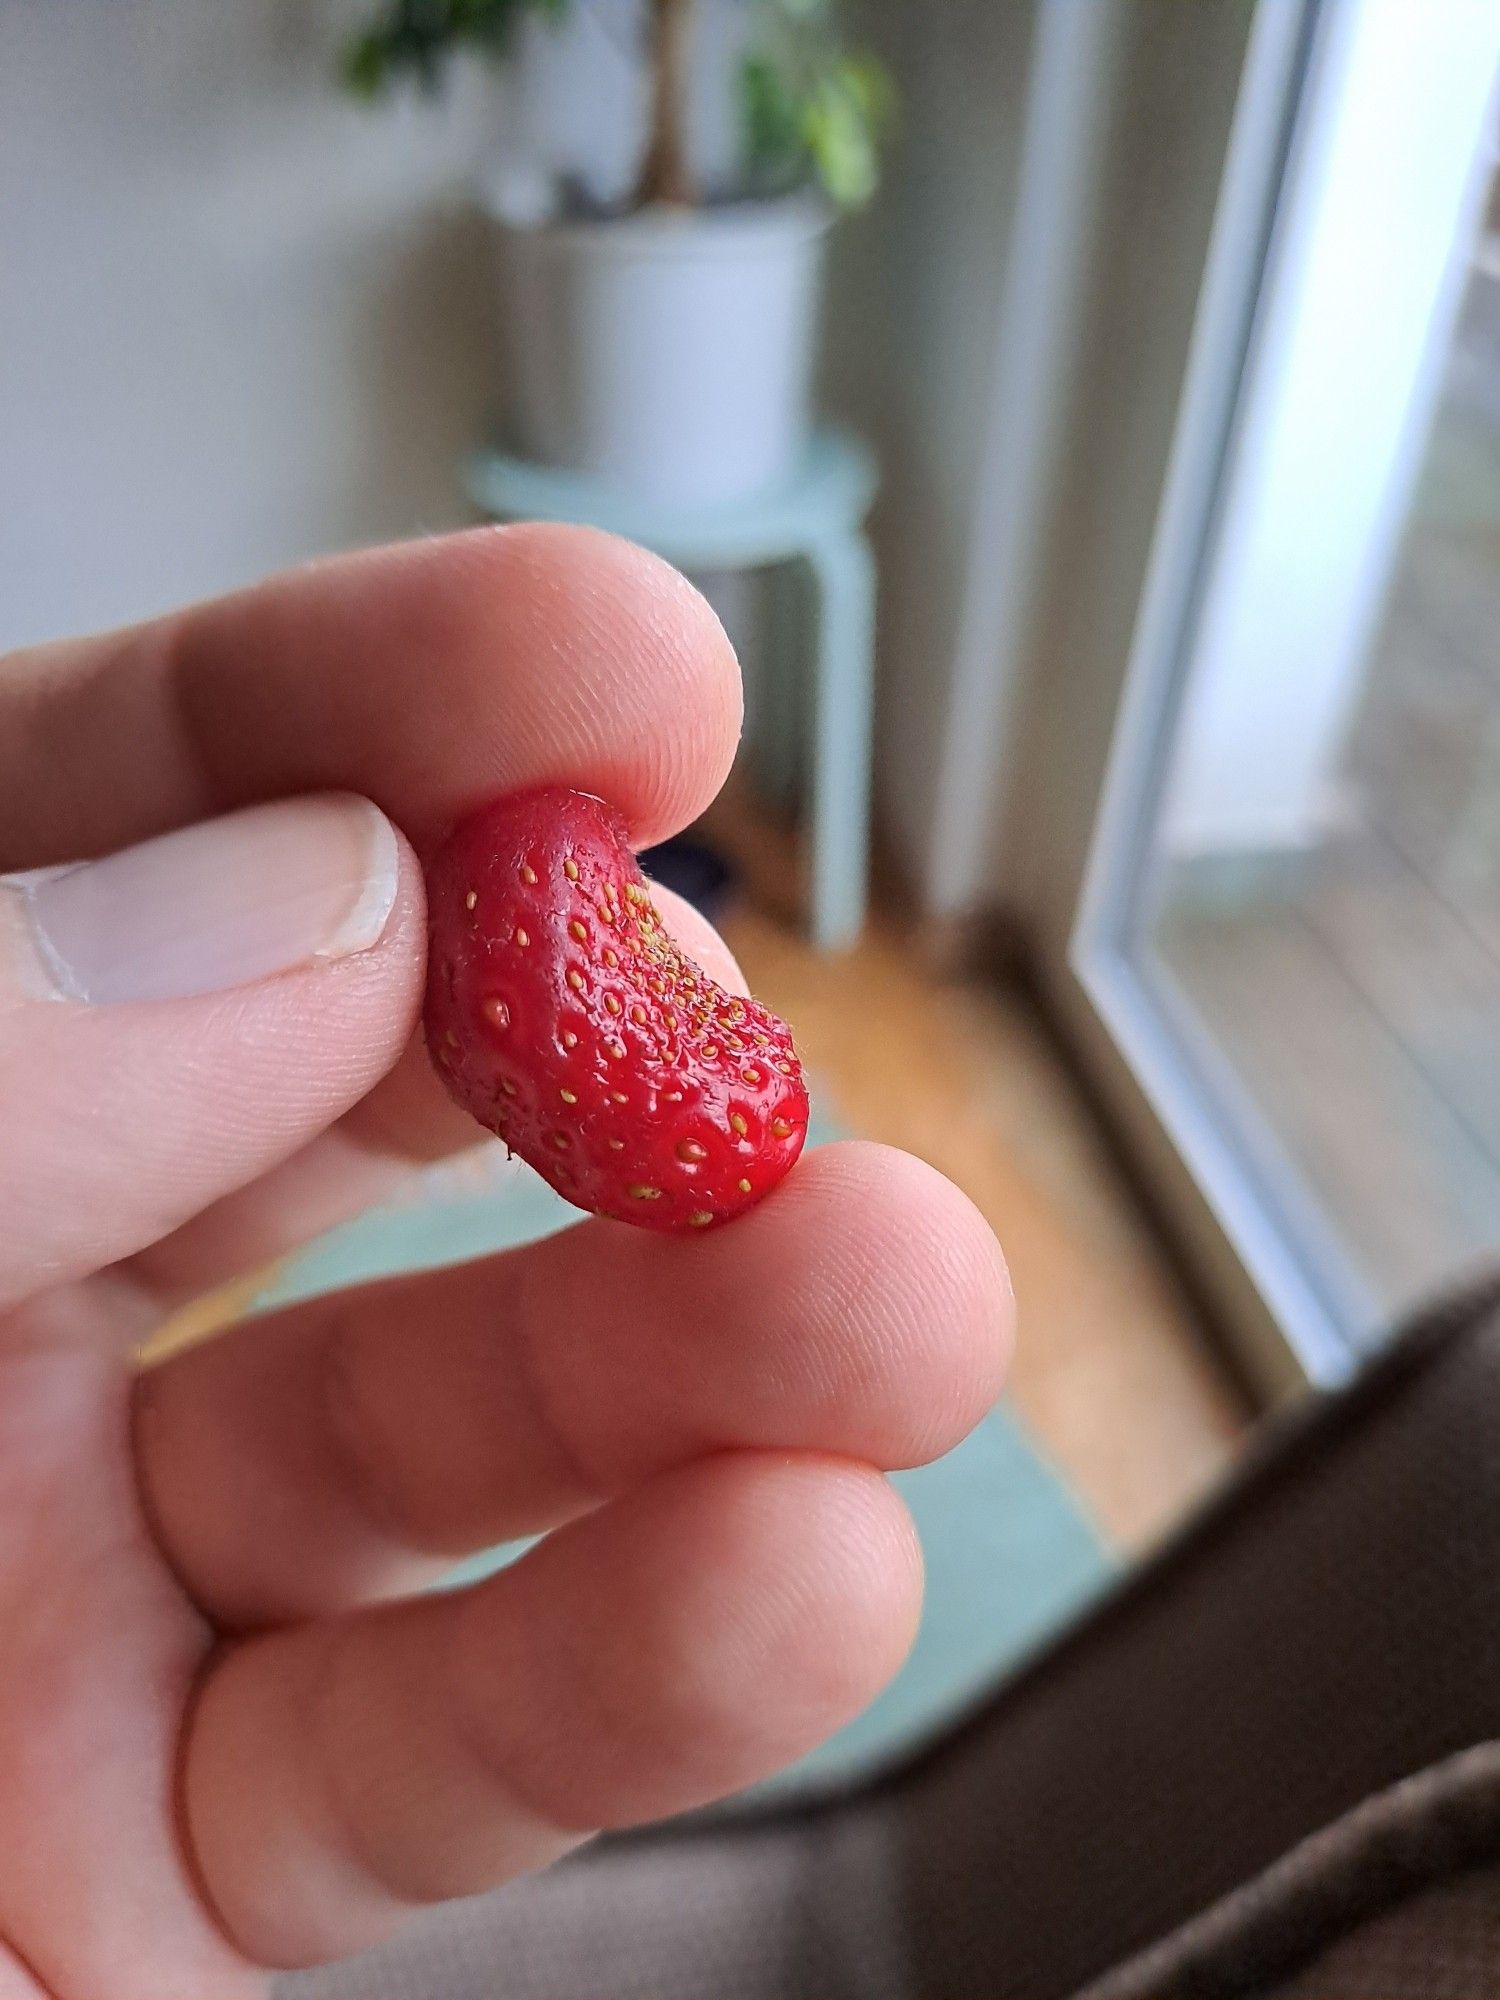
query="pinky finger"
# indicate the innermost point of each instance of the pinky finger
(686, 1641)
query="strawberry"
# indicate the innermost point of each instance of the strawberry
(562, 1016)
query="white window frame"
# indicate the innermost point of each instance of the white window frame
(1276, 318)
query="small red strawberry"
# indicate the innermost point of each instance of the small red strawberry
(561, 1014)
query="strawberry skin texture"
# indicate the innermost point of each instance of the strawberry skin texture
(562, 1016)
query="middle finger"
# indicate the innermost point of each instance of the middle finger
(351, 1447)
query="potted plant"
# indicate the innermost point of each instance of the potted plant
(663, 342)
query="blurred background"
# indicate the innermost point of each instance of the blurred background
(1085, 415)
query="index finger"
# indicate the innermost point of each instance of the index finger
(427, 676)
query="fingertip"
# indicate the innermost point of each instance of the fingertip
(675, 676)
(907, 1284)
(827, 1578)
(434, 675)
(828, 1572)
(864, 1560)
(728, 1618)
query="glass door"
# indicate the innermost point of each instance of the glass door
(1289, 929)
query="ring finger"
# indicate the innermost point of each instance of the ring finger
(675, 1646)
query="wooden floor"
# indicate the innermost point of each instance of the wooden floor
(1111, 1371)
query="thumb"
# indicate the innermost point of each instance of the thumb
(180, 1016)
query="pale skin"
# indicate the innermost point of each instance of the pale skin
(231, 1737)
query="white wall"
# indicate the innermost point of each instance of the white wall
(241, 322)
(912, 327)
(1145, 212)
(1012, 327)
(237, 314)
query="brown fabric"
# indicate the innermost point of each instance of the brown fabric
(1444, 1945)
(1344, 1881)
(1328, 1628)
(1325, 1632)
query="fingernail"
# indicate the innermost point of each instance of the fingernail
(222, 904)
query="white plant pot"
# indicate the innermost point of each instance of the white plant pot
(668, 354)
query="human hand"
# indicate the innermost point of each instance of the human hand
(231, 1737)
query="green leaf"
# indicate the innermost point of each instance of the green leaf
(842, 143)
(869, 82)
(808, 109)
(811, 110)
(419, 37)
(772, 119)
(363, 66)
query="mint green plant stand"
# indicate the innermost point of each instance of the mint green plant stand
(816, 517)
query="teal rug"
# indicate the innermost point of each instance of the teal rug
(1010, 1555)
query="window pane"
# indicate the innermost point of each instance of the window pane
(1322, 906)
